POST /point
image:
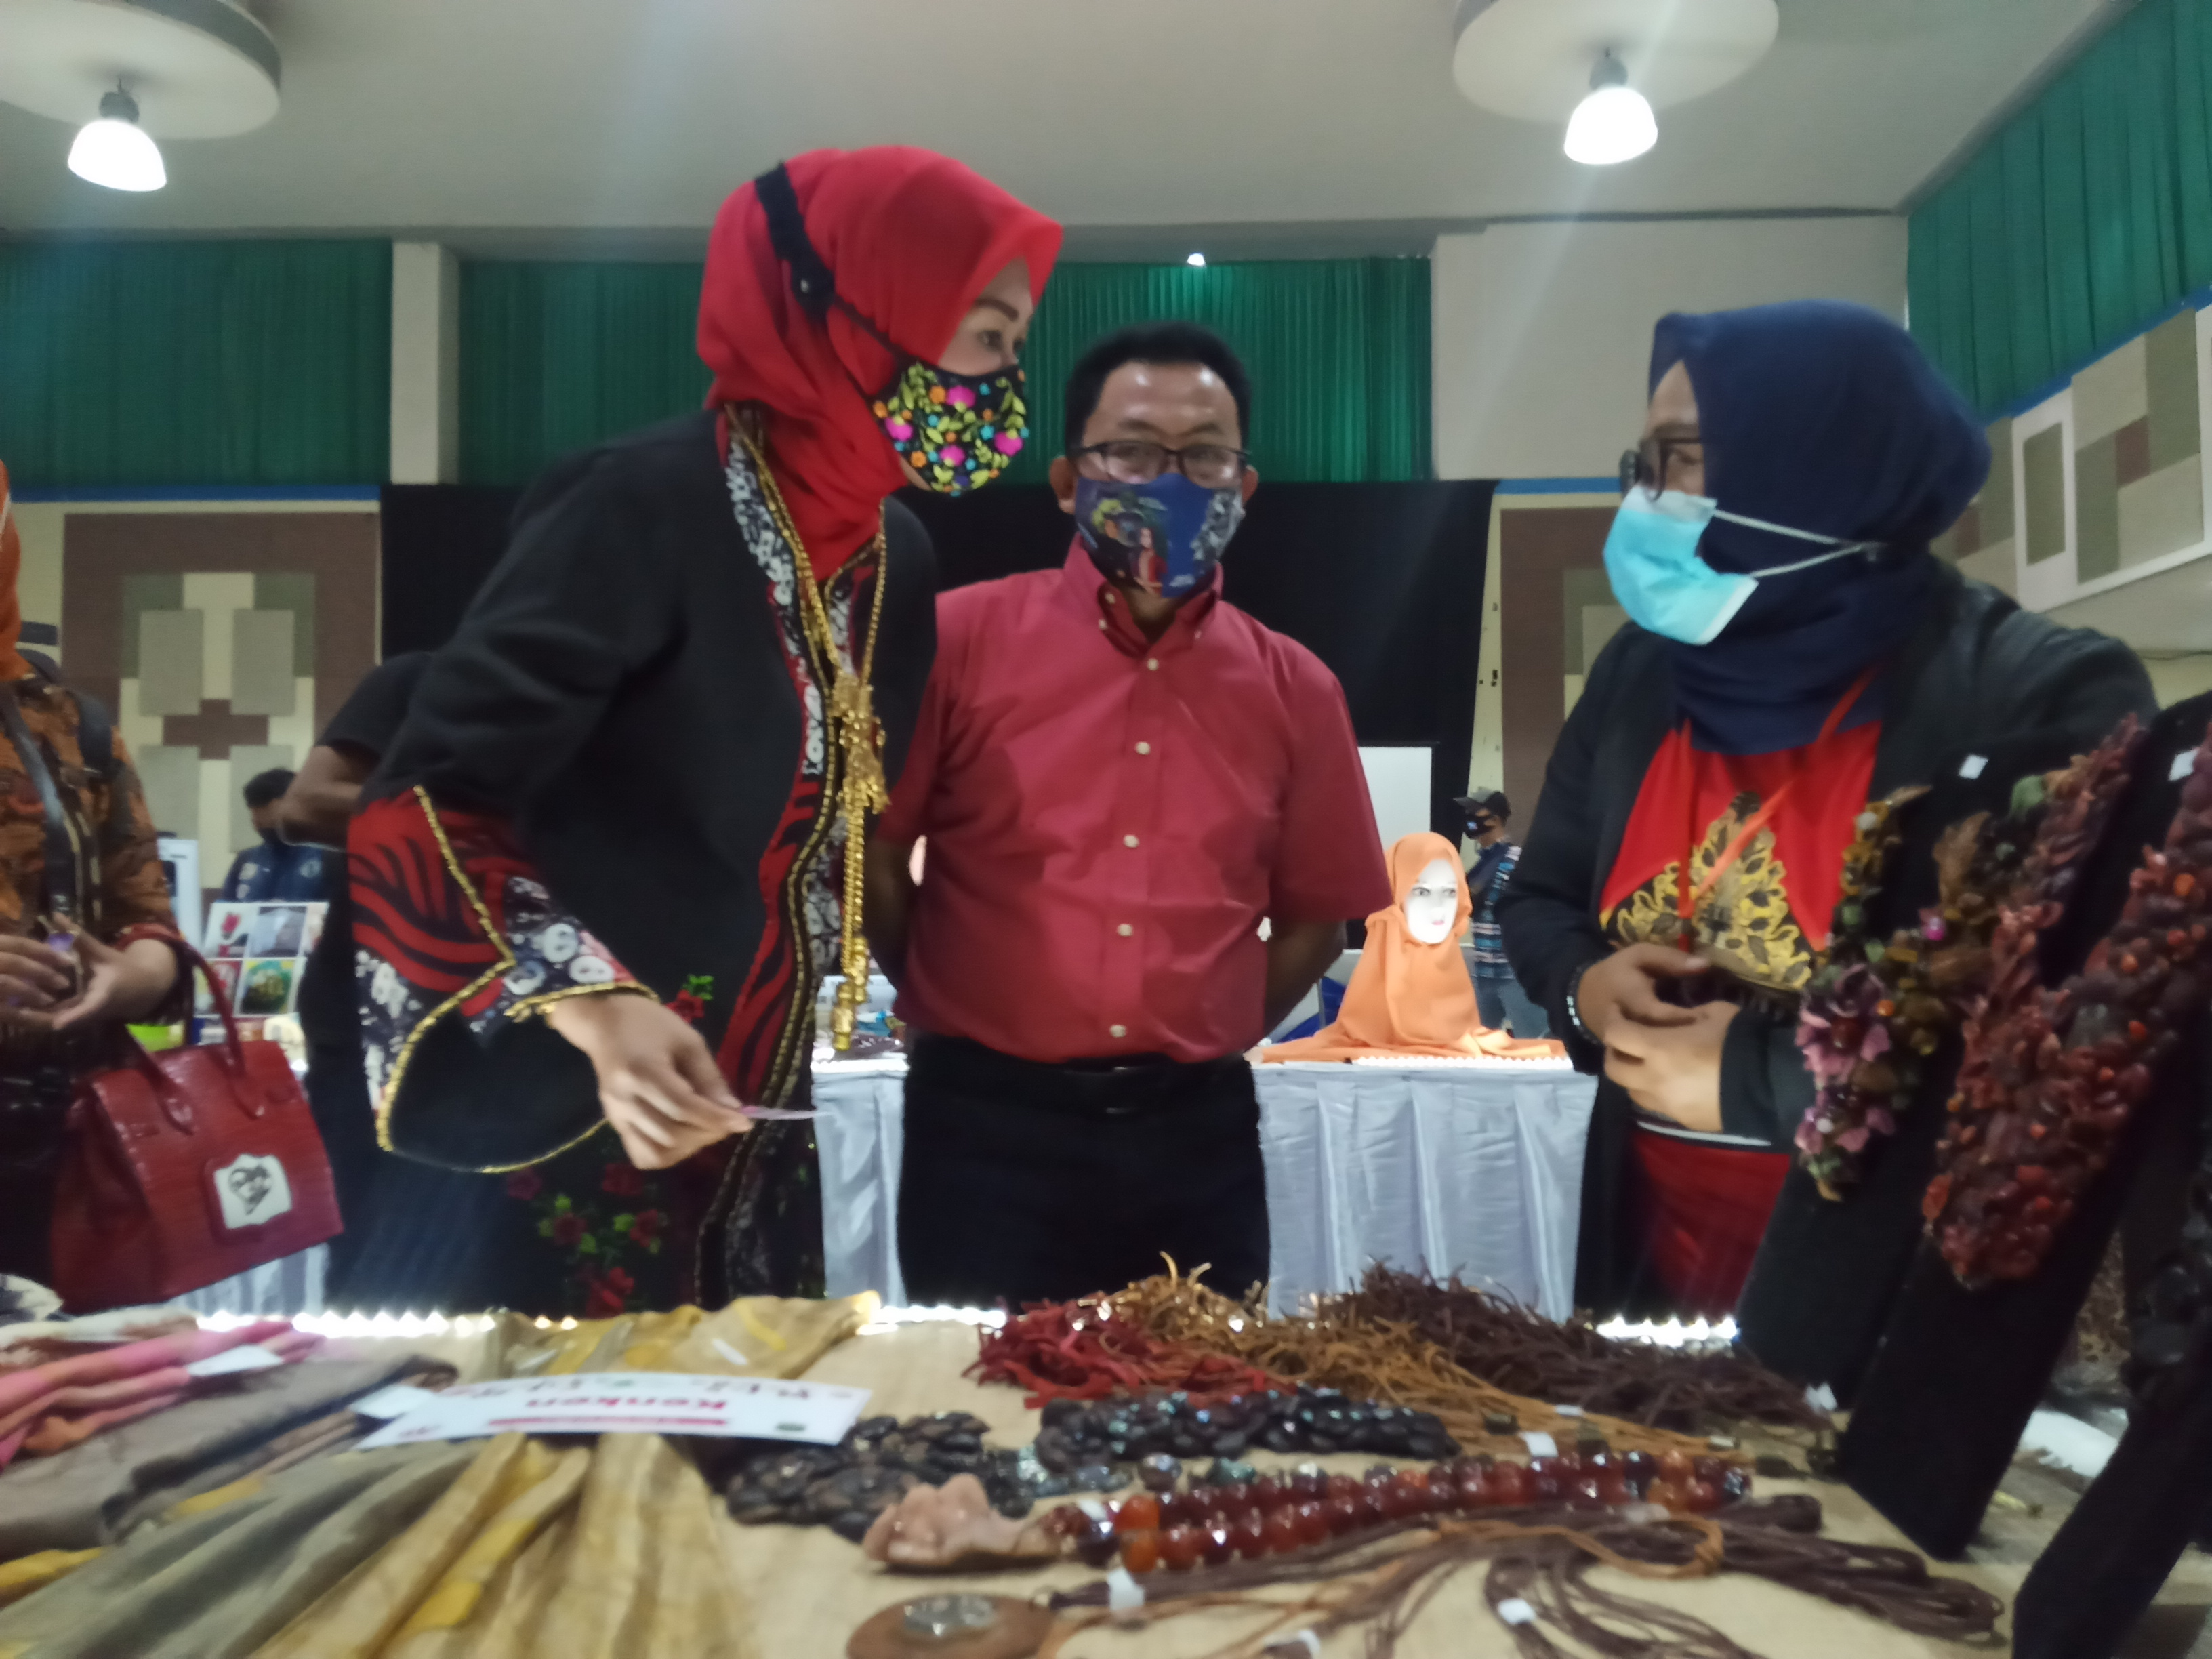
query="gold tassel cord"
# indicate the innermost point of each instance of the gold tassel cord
(848, 705)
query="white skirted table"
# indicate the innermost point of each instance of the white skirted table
(1474, 1169)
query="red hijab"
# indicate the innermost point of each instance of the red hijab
(912, 237)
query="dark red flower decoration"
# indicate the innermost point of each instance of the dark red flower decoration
(648, 1227)
(622, 1180)
(567, 1229)
(688, 1008)
(524, 1184)
(608, 1294)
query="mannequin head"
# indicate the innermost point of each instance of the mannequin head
(1431, 903)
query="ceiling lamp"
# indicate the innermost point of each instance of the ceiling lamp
(195, 69)
(1614, 123)
(115, 151)
(1531, 59)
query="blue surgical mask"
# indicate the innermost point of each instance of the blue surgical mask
(1165, 534)
(1651, 558)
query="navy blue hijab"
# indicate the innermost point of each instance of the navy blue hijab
(1823, 417)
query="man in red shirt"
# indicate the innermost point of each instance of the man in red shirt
(1119, 777)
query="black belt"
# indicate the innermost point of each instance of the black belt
(1121, 1085)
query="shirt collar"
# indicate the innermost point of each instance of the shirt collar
(1092, 597)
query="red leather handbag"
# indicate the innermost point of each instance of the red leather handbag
(185, 1167)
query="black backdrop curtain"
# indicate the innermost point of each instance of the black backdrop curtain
(1382, 581)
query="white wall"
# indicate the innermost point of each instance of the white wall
(1542, 335)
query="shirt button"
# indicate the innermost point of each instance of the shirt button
(1125, 930)
(1153, 663)
(1102, 625)
(1143, 748)
(1117, 1030)
(1128, 840)
(1110, 597)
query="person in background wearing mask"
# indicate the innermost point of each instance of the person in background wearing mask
(1794, 651)
(1500, 1000)
(1120, 776)
(276, 872)
(598, 875)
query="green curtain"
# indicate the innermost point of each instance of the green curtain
(554, 356)
(2085, 220)
(238, 362)
(1338, 350)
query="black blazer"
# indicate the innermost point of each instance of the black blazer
(619, 691)
(1979, 676)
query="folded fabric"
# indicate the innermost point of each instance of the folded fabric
(600, 1551)
(73, 1414)
(94, 1493)
(220, 1585)
(158, 1366)
(34, 1572)
(754, 1336)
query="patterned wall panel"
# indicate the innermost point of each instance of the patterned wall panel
(223, 643)
(2105, 475)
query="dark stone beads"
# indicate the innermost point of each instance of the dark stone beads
(1170, 1425)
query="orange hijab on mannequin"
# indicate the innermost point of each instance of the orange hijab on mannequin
(1409, 998)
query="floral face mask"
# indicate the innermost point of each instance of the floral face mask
(956, 431)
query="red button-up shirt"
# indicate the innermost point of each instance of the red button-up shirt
(1108, 819)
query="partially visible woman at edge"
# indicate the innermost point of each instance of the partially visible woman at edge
(62, 1013)
(1794, 650)
(600, 874)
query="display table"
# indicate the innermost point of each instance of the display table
(807, 1588)
(1474, 1169)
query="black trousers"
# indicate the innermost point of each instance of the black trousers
(1027, 1182)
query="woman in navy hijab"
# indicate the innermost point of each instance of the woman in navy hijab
(1794, 650)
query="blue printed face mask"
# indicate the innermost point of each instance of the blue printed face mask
(1652, 559)
(1165, 534)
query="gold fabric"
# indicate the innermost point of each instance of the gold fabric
(611, 1551)
(757, 1336)
(1743, 924)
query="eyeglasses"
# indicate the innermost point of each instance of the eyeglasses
(1130, 461)
(1648, 464)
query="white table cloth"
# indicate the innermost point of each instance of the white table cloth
(1474, 1170)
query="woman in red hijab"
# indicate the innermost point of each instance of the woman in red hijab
(602, 874)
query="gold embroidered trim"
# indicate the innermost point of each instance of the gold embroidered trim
(406, 1053)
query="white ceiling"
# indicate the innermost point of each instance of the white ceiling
(516, 121)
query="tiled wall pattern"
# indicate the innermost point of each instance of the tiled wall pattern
(2103, 477)
(224, 643)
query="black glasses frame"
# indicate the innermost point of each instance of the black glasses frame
(1168, 456)
(1649, 462)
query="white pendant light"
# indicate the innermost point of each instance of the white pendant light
(115, 151)
(1614, 124)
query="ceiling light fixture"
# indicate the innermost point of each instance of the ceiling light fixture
(114, 150)
(1196, 259)
(1614, 124)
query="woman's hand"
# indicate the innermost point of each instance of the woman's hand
(120, 985)
(1673, 1071)
(35, 979)
(659, 1087)
(1625, 986)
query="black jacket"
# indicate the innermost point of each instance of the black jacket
(619, 693)
(1979, 676)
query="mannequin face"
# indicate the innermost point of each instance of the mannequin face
(1432, 904)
